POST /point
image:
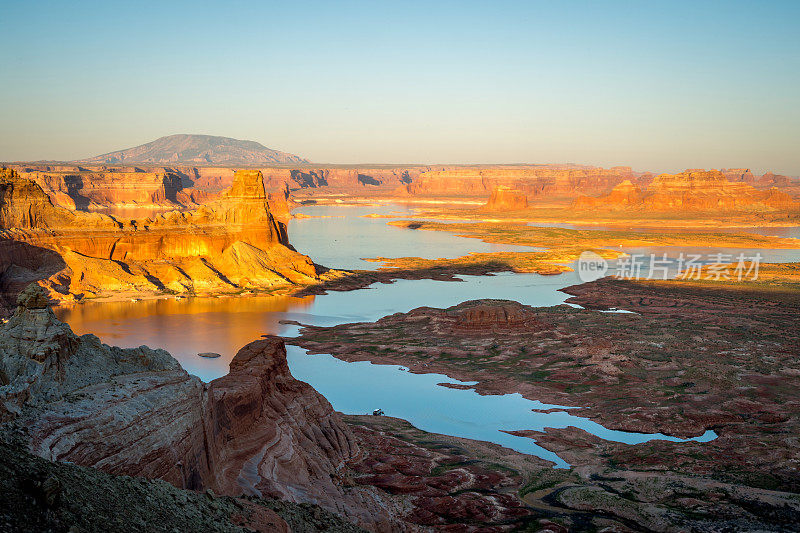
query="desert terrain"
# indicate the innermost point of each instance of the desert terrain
(707, 363)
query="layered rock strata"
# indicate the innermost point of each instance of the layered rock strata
(691, 190)
(178, 186)
(506, 199)
(225, 246)
(86, 190)
(533, 181)
(254, 432)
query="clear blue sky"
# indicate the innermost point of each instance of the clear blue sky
(658, 85)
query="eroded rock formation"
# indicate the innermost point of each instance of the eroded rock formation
(256, 431)
(623, 195)
(506, 199)
(98, 187)
(692, 190)
(86, 190)
(533, 181)
(484, 317)
(225, 246)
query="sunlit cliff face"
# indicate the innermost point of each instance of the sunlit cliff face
(227, 245)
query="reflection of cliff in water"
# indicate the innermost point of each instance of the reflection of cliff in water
(221, 325)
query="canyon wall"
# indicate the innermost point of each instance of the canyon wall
(97, 190)
(100, 187)
(227, 245)
(182, 186)
(765, 181)
(533, 181)
(256, 431)
(692, 190)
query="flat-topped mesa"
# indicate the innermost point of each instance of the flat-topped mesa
(692, 190)
(506, 199)
(197, 149)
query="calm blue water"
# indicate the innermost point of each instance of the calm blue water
(190, 326)
(193, 325)
(346, 237)
(360, 387)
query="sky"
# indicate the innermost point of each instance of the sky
(659, 86)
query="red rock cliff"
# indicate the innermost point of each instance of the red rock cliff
(534, 181)
(692, 190)
(226, 245)
(506, 199)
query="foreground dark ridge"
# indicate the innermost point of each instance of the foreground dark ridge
(41, 495)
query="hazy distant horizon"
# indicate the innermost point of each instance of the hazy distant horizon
(756, 171)
(367, 164)
(658, 87)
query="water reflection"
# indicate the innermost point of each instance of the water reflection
(344, 237)
(187, 326)
(360, 387)
(190, 326)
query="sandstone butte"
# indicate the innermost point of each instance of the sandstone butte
(506, 199)
(227, 245)
(691, 190)
(256, 431)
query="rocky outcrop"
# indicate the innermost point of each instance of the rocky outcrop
(262, 424)
(692, 190)
(255, 432)
(506, 199)
(739, 174)
(224, 246)
(482, 317)
(623, 195)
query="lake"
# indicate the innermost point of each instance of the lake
(341, 237)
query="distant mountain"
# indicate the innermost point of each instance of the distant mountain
(198, 150)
